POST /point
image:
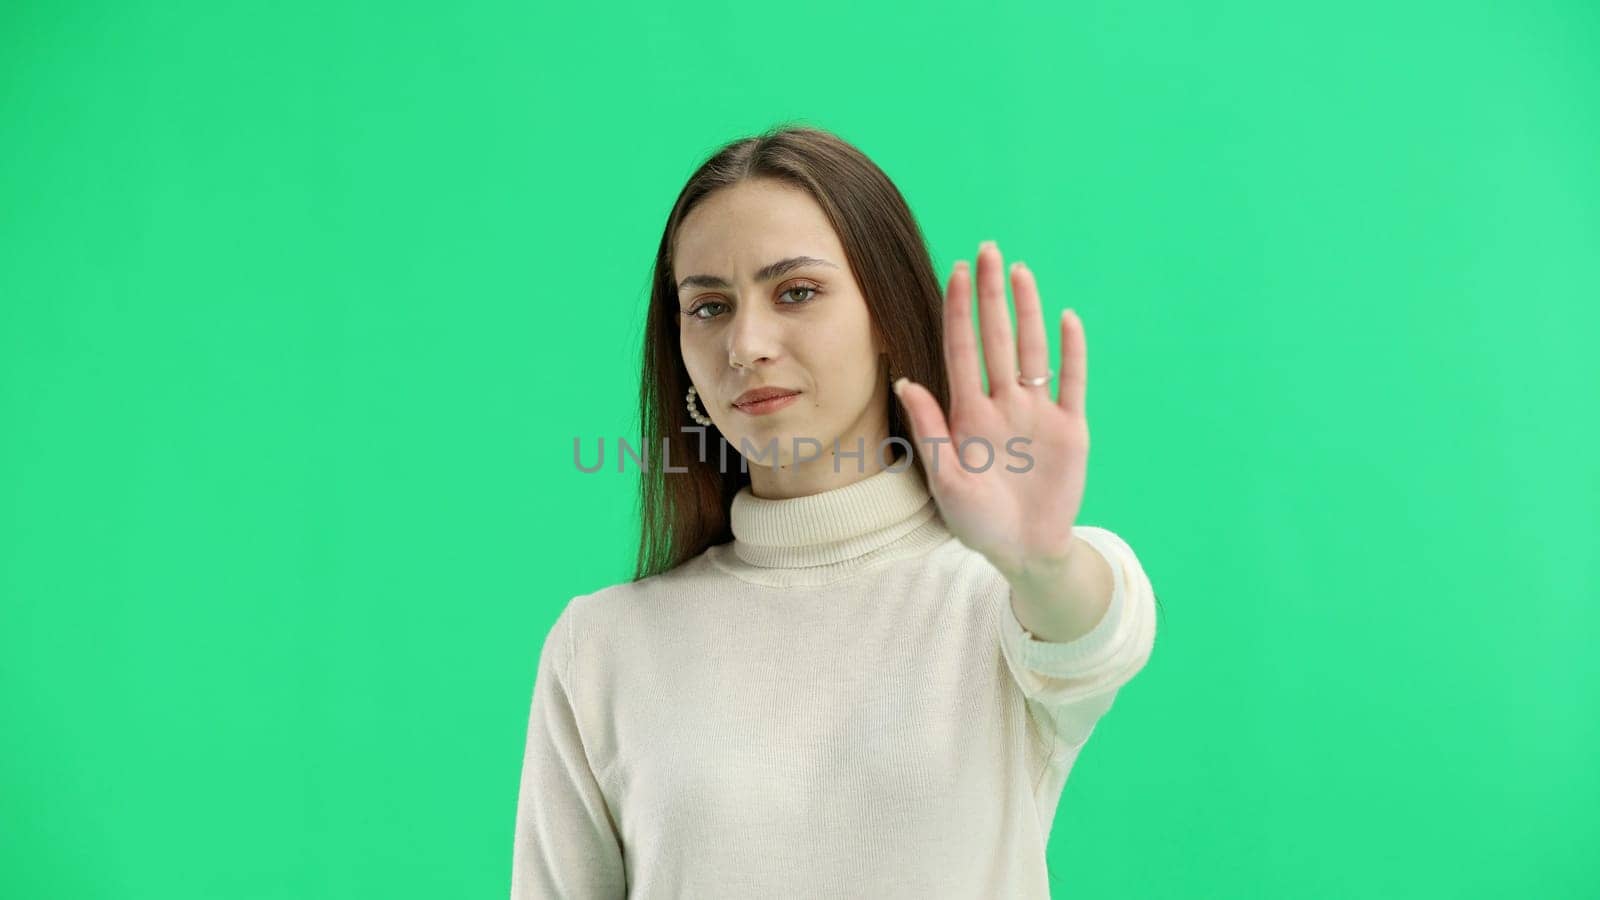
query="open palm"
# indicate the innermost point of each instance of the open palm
(1015, 519)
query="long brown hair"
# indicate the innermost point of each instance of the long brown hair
(683, 513)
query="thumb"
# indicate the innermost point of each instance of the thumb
(930, 432)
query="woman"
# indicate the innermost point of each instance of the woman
(855, 660)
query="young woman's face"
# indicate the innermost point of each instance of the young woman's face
(803, 327)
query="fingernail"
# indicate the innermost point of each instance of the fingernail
(984, 244)
(898, 382)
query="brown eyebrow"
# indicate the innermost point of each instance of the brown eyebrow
(766, 272)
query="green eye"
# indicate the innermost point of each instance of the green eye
(695, 313)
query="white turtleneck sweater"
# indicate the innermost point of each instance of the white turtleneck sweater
(840, 702)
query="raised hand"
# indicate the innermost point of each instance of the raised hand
(1020, 521)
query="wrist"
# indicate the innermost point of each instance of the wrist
(1040, 567)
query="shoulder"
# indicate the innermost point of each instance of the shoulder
(628, 605)
(687, 576)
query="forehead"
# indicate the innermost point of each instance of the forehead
(736, 229)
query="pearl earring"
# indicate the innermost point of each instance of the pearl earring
(694, 411)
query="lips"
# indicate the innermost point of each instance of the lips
(756, 395)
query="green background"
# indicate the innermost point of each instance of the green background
(302, 305)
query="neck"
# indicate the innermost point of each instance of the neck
(823, 537)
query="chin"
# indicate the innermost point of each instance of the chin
(779, 443)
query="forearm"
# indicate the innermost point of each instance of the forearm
(1060, 600)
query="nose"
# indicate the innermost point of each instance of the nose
(754, 336)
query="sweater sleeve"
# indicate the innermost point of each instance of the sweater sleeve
(1070, 685)
(566, 841)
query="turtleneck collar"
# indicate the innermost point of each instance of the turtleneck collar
(830, 535)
